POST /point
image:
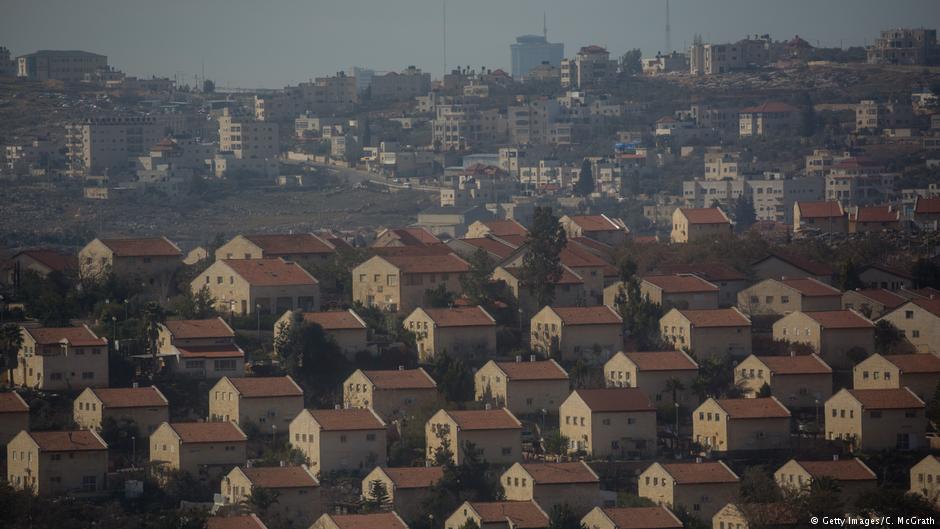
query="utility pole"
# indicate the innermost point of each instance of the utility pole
(668, 36)
(444, 32)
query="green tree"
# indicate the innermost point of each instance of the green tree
(153, 317)
(716, 378)
(453, 377)
(887, 337)
(563, 517)
(926, 273)
(585, 185)
(469, 524)
(933, 407)
(261, 499)
(764, 391)
(312, 358)
(758, 486)
(555, 443)
(11, 339)
(195, 306)
(438, 297)
(476, 282)
(631, 61)
(847, 277)
(541, 264)
(379, 499)
(640, 315)
(893, 502)
(208, 86)
(822, 499)
(744, 214)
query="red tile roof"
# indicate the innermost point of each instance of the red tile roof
(930, 305)
(69, 441)
(568, 276)
(270, 272)
(877, 214)
(642, 518)
(347, 419)
(51, 259)
(497, 247)
(592, 245)
(915, 363)
(927, 206)
(700, 473)
(520, 514)
(499, 419)
(261, 387)
(574, 256)
(707, 271)
(761, 408)
(887, 298)
(610, 400)
(842, 470)
(555, 473)
(379, 520)
(410, 236)
(807, 265)
(820, 210)
(12, 402)
(662, 361)
(705, 216)
(460, 317)
(148, 397)
(155, 247)
(500, 228)
(210, 351)
(840, 319)
(291, 244)
(539, 370)
(242, 521)
(414, 477)
(597, 223)
(772, 107)
(597, 315)
(899, 272)
(335, 320)
(411, 251)
(886, 399)
(680, 283)
(448, 263)
(400, 379)
(795, 365)
(75, 336)
(715, 318)
(811, 287)
(208, 432)
(188, 329)
(280, 477)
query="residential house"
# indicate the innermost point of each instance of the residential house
(398, 237)
(657, 517)
(925, 479)
(927, 213)
(732, 425)
(61, 359)
(497, 433)
(406, 487)
(148, 263)
(852, 475)
(797, 381)
(876, 419)
(653, 373)
(919, 323)
(398, 283)
(238, 521)
(496, 228)
(606, 422)
(701, 488)
(919, 373)
(57, 463)
(569, 289)
(777, 265)
(296, 487)
(821, 217)
(874, 219)
(499, 515)
(200, 348)
(873, 303)
(699, 224)
(468, 333)
(572, 483)
(306, 248)
(594, 271)
(344, 327)
(524, 388)
(686, 291)
(728, 280)
(40, 261)
(768, 119)
(570, 333)
(601, 228)
(269, 286)
(339, 439)
(206, 450)
(753, 515)
(391, 394)
(14, 416)
(880, 276)
(707, 333)
(265, 402)
(146, 408)
(837, 336)
(777, 297)
(379, 520)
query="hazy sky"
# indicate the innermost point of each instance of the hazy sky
(271, 43)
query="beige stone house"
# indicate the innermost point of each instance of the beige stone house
(571, 333)
(400, 237)
(499, 515)
(297, 489)
(200, 348)
(269, 403)
(853, 476)
(468, 333)
(701, 488)
(755, 515)
(496, 228)
(40, 261)
(609, 422)
(392, 394)
(876, 419)
(825, 217)
(919, 322)
(776, 297)
(56, 463)
(728, 280)
(651, 372)
(344, 327)
(873, 303)
(204, 449)
(146, 407)
(271, 286)
(497, 433)
(524, 388)
(237, 521)
(407, 487)
(379, 520)
(339, 439)
(686, 291)
(881, 276)
(397, 283)
(699, 224)
(597, 227)
(61, 359)
(657, 517)
(732, 425)
(148, 263)
(306, 248)
(918, 372)
(570, 289)
(831, 334)
(553, 484)
(796, 381)
(925, 479)
(777, 264)
(14, 416)
(708, 333)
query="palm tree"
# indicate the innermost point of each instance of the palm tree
(11, 339)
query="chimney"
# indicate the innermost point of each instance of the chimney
(401, 368)
(835, 457)
(249, 463)
(531, 358)
(487, 406)
(698, 459)
(135, 385)
(518, 358)
(337, 407)
(282, 463)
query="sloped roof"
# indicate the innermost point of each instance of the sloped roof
(498, 247)
(927, 206)
(291, 244)
(759, 408)
(379, 520)
(807, 265)
(347, 419)
(568, 276)
(772, 107)
(662, 360)
(460, 317)
(147, 397)
(840, 319)
(707, 271)
(52, 259)
(499, 419)
(930, 305)
(915, 363)
(411, 236)
(75, 336)
(270, 272)
(414, 477)
(335, 320)
(243, 521)
(539, 370)
(597, 223)
(609, 400)
(12, 402)
(877, 214)
(210, 351)
(705, 216)
(280, 477)
(499, 227)
(680, 283)
(842, 469)
(419, 264)
(400, 379)
(154, 247)
(208, 328)
(260, 387)
(795, 365)
(704, 472)
(597, 315)
(886, 399)
(887, 298)
(715, 318)
(208, 432)
(820, 210)
(555, 473)
(811, 287)
(657, 517)
(521, 514)
(68, 441)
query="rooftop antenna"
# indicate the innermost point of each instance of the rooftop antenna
(444, 10)
(544, 26)
(668, 37)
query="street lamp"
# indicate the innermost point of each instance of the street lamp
(273, 435)
(3, 308)
(676, 404)
(134, 451)
(258, 313)
(125, 310)
(114, 329)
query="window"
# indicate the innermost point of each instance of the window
(875, 415)
(370, 437)
(342, 438)
(507, 451)
(784, 299)
(224, 365)
(908, 314)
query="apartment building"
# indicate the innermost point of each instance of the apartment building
(306, 248)
(391, 394)
(530, 51)
(339, 439)
(347, 330)
(590, 69)
(859, 181)
(776, 265)
(61, 359)
(496, 433)
(611, 231)
(653, 373)
(265, 402)
(618, 422)
(70, 66)
(925, 479)
(499, 515)
(904, 46)
(768, 119)
(524, 388)
(696, 224)
(569, 288)
(461, 126)
(58, 463)
(14, 416)
(145, 408)
(711, 59)
(462, 332)
(872, 302)
(657, 517)
(107, 145)
(823, 217)
(872, 116)
(679, 290)
(853, 476)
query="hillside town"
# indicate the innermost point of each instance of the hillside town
(602, 290)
